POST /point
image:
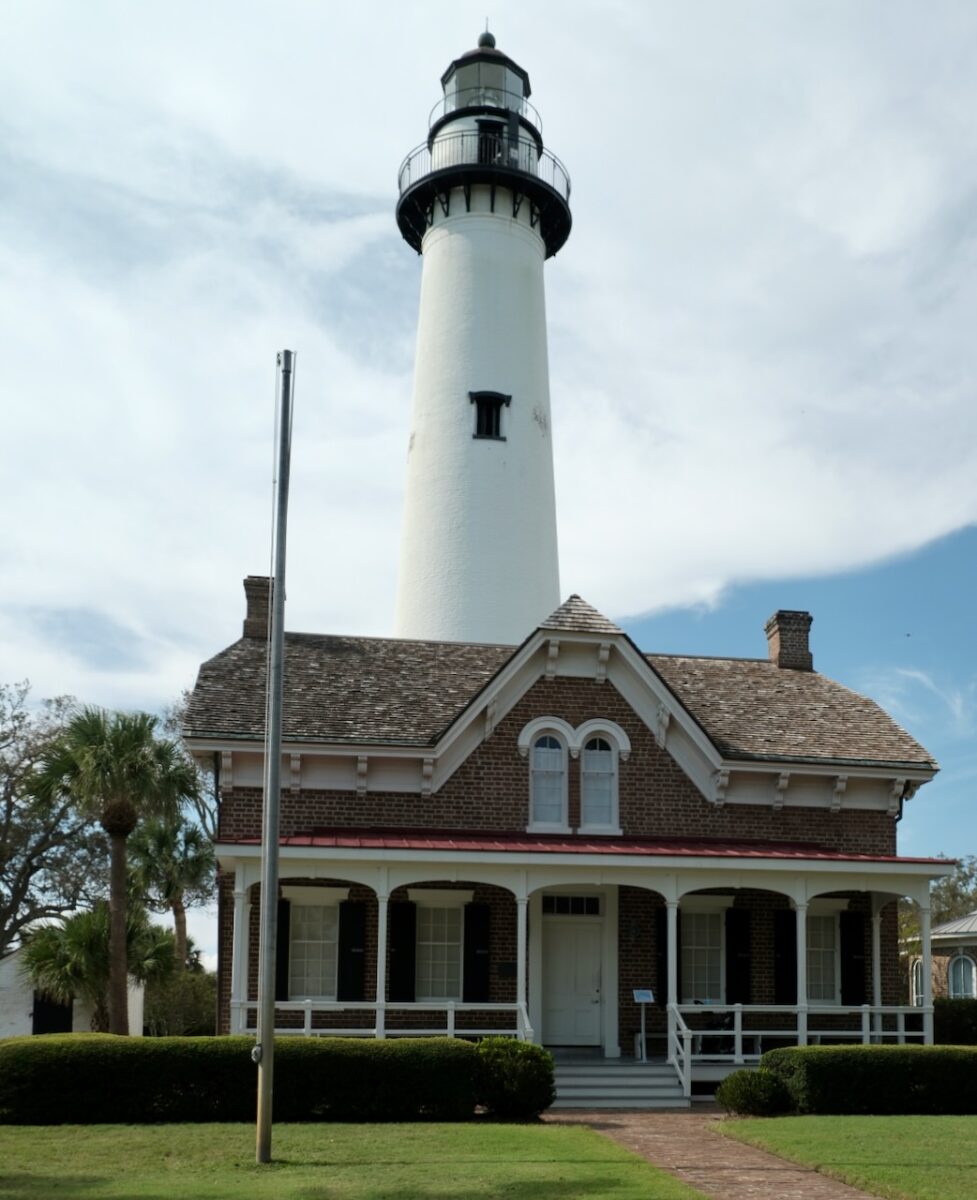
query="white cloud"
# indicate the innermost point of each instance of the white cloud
(760, 330)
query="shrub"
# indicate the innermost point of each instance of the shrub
(878, 1080)
(755, 1092)
(955, 1022)
(182, 1005)
(515, 1078)
(98, 1078)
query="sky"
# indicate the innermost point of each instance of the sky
(761, 331)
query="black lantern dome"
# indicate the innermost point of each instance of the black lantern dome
(485, 131)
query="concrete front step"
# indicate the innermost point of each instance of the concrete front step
(609, 1083)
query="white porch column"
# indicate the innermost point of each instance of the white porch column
(801, 912)
(239, 955)
(671, 926)
(381, 1015)
(924, 935)
(877, 965)
(522, 929)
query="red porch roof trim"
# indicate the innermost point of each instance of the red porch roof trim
(457, 841)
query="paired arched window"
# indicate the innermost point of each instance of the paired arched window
(598, 784)
(599, 746)
(548, 783)
(962, 978)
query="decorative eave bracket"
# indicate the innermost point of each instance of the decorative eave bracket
(362, 765)
(783, 781)
(295, 772)
(603, 654)
(721, 781)
(427, 776)
(552, 654)
(663, 718)
(841, 783)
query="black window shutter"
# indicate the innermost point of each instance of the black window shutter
(738, 956)
(403, 951)
(351, 967)
(784, 956)
(283, 949)
(476, 950)
(661, 945)
(852, 938)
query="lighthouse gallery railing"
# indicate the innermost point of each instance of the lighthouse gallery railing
(478, 147)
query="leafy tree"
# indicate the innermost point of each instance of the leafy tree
(72, 959)
(115, 769)
(173, 867)
(52, 859)
(204, 800)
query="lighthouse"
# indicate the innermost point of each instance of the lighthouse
(485, 204)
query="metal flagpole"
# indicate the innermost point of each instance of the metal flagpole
(264, 1050)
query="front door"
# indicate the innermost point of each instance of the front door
(571, 981)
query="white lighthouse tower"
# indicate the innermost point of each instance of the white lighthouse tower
(485, 205)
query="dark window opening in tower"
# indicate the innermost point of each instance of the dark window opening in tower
(488, 414)
(491, 137)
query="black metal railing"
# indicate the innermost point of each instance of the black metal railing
(485, 97)
(478, 147)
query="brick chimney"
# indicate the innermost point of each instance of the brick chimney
(788, 647)
(257, 589)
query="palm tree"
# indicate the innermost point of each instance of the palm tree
(116, 770)
(71, 960)
(173, 866)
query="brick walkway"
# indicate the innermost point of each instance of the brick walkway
(688, 1145)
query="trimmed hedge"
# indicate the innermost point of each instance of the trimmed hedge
(877, 1080)
(755, 1092)
(955, 1022)
(98, 1078)
(515, 1078)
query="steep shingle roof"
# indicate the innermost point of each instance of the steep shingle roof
(753, 709)
(577, 616)
(343, 689)
(390, 690)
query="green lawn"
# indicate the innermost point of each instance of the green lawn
(900, 1158)
(325, 1162)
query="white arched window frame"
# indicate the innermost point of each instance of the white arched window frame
(962, 978)
(603, 745)
(546, 743)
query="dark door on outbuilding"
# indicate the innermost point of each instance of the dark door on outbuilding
(49, 1016)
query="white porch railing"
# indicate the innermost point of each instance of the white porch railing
(739, 1033)
(242, 1010)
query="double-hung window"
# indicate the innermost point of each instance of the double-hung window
(548, 771)
(598, 785)
(822, 958)
(312, 942)
(962, 978)
(702, 957)
(439, 943)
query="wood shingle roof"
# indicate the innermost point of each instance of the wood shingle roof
(356, 690)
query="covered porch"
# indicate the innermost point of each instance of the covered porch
(744, 946)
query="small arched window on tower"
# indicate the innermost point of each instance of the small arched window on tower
(488, 414)
(548, 784)
(598, 786)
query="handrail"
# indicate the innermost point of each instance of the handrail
(485, 97)
(526, 1030)
(680, 1049)
(473, 147)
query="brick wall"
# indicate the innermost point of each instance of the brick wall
(491, 791)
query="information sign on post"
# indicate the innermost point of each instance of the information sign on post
(643, 997)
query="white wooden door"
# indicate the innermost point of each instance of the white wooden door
(571, 982)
